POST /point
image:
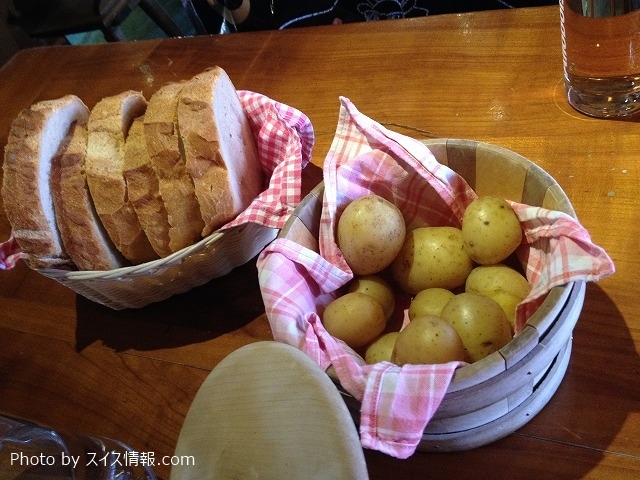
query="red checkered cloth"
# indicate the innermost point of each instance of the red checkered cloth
(284, 137)
(296, 283)
(10, 253)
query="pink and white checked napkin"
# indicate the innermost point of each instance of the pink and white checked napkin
(284, 137)
(397, 402)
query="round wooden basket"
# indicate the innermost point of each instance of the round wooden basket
(493, 397)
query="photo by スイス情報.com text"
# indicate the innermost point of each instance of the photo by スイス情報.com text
(93, 459)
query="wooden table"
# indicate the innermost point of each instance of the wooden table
(491, 76)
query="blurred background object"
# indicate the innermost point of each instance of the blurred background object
(197, 17)
(227, 16)
(56, 18)
(29, 23)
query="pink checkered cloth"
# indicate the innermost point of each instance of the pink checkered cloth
(284, 137)
(397, 402)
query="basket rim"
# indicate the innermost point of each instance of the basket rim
(531, 166)
(144, 268)
(515, 419)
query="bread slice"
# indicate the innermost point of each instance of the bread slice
(142, 187)
(174, 183)
(108, 126)
(34, 138)
(83, 236)
(219, 148)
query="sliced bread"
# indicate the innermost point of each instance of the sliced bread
(108, 126)
(142, 187)
(219, 148)
(83, 236)
(174, 183)
(35, 136)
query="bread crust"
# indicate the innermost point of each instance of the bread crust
(84, 238)
(108, 126)
(219, 148)
(35, 136)
(82, 189)
(143, 189)
(174, 183)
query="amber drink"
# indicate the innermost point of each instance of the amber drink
(601, 55)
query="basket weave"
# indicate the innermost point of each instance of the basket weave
(140, 285)
(495, 396)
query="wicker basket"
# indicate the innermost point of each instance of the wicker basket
(140, 285)
(492, 398)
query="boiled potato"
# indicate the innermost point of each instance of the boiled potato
(480, 322)
(370, 234)
(381, 349)
(355, 318)
(505, 285)
(490, 229)
(428, 340)
(379, 289)
(431, 257)
(430, 301)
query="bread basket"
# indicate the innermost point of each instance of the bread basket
(494, 397)
(140, 285)
(284, 137)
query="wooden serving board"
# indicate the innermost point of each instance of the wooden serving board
(267, 411)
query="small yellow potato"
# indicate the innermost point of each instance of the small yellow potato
(430, 301)
(480, 322)
(370, 234)
(428, 340)
(505, 285)
(355, 318)
(490, 229)
(381, 349)
(431, 257)
(379, 289)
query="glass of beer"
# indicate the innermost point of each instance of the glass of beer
(601, 56)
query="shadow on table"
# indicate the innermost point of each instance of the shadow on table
(220, 306)
(570, 436)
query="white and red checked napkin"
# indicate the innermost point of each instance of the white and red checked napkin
(284, 137)
(297, 283)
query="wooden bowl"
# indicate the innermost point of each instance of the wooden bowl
(495, 396)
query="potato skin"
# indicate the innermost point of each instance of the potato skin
(431, 257)
(381, 349)
(428, 340)
(505, 285)
(480, 322)
(430, 301)
(370, 234)
(491, 230)
(355, 318)
(379, 289)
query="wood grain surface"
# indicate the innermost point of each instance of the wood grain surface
(490, 76)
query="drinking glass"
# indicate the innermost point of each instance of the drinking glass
(601, 55)
(29, 451)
